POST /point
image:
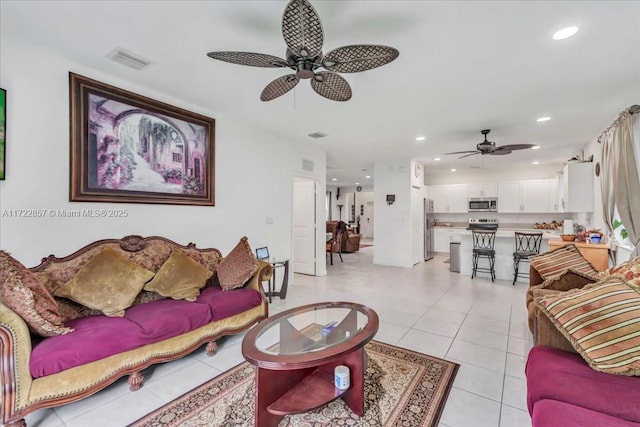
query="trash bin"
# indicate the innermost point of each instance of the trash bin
(454, 257)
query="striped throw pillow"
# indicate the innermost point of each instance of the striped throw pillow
(602, 322)
(555, 262)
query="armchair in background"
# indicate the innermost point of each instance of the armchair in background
(350, 241)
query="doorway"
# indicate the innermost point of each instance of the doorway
(366, 227)
(304, 226)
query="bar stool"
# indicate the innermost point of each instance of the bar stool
(483, 247)
(527, 246)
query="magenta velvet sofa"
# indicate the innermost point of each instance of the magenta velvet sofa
(563, 391)
(40, 372)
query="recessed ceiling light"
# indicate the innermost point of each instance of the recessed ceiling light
(357, 183)
(368, 176)
(453, 170)
(535, 147)
(564, 33)
(535, 163)
(543, 119)
(420, 138)
(334, 179)
(437, 159)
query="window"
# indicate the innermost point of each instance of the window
(177, 157)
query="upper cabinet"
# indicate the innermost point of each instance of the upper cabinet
(453, 198)
(533, 196)
(509, 197)
(577, 183)
(483, 190)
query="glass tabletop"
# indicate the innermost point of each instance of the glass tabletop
(313, 328)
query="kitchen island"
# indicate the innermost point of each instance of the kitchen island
(505, 245)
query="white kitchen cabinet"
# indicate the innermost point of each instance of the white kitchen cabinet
(577, 192)
(532, 196)
(553, 196)
(451, 198)
(483, 190)
(509, 197)
(444, 236)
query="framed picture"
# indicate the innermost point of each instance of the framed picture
(3, 131)
(131, 149)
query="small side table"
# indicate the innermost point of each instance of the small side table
(282, 293)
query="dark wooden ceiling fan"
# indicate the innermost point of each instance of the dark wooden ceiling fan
(489, 147)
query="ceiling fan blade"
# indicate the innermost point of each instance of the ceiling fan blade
(499, 152)
(249, 58)
(360, 57)
(463, 152)
(512, 147)
(302, 29)
(279, 87)
(331, 86)
(469, 155)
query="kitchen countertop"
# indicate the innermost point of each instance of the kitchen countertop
(509, 233)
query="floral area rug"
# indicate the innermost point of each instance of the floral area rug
(402, 388)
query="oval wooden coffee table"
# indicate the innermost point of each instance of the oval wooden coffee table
(295, 353)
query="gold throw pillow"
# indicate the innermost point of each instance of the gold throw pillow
(180, 277)
(108, 282)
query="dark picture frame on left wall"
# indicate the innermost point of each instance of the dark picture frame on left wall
(127, 148)
(3, 133)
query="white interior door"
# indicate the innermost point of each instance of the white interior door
(366, 221)
(304, 231)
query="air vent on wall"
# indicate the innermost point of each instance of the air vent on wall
(317, 135)
(307, 165)
(128, 59)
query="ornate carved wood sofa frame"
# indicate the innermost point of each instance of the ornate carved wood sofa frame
(22, 394)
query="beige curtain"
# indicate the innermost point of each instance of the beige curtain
(620, 180)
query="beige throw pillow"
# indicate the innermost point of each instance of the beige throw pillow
(180, 277)
(238, 267)
(108, 282)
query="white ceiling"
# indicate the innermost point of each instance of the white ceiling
(463, 67)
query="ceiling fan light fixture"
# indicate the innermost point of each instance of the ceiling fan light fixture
(535, 162)
(437, 159)
(535, 147)
(453, 170)
(420, 138)
(543, 119)
(564, 33)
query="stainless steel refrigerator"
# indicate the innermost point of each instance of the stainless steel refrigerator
(429, 222)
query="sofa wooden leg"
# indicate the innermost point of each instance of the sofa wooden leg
(135, 381)
(212, 347)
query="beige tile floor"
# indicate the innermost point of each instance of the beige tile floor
(479, 324)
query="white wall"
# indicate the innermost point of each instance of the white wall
(345, 199)
(253, 178)
(491, 175)
(392, 227)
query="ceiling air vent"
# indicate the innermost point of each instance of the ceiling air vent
(128, 59)
(317, 135)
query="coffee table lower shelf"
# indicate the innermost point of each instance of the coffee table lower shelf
(315, 390)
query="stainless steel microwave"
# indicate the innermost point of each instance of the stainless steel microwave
(483, 204)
